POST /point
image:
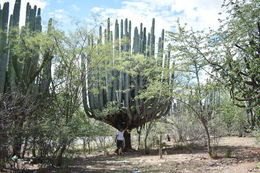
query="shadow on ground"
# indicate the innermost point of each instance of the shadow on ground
(129, 161)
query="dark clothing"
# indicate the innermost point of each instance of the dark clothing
(119, 144)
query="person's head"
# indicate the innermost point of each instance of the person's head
(121, 129)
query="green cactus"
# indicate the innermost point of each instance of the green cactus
(141, 39)
(1, 20)
(121, 86)
(30, 65)
(160, 50)
(100, 35)
(4, 13)
(108, 29)
(148, 48)
(152, 42)
(38, 21)
(22, 71)
(144, 42)
(136, 41)
(46, 72)
(14, 67)
(16, 13)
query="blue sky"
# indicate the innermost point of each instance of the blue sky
(199, 14)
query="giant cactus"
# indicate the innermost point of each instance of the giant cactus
(122, 87)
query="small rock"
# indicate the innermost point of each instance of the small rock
(212, 164)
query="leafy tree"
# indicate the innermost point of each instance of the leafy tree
(236, 54)
(231, 119)
(190, 66)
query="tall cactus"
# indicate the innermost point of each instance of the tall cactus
(153, 38)
(136, 41)
(22, 71)
(46, 72)
(16, 13)
(4, 13)
(121, 87)
(109, 75)
(13, 59)
(116, 73)
(160, 50)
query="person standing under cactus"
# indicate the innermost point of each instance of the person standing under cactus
(120, 141)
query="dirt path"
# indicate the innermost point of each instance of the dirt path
(245, 158)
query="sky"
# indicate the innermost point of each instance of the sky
(198, 14)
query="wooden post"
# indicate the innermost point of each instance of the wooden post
(160, 146)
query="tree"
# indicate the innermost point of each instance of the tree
(67, 84)
(192, 90)
(236, 55)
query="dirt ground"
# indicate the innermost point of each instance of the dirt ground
(245, 158)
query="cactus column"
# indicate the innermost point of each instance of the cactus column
(4, 14)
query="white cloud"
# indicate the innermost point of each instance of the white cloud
(61, 18)
(59, 11)
(40, 4)
(59, 14)
(199, 14)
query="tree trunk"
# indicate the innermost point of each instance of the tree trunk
(59, 157)
(17, 145)
(25, 146)
(208, 137)
(146, 137)
(89, 147)
(139, 139)
(34, 147)
(128, 144)
(139, 132)
(84, 145)
(17, 140)
(160, 146)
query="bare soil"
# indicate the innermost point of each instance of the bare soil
(244, 158)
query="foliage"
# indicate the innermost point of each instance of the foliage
(235, 56)
(184, 128)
